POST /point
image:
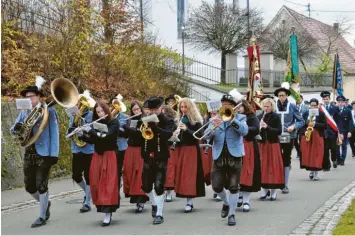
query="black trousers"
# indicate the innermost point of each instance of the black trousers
(286, 150)
(352, 143)
(120, 159)
(330, 144)
(298, 145)
(226, 173)
(81, 164)
(36, 171)
(154, 172)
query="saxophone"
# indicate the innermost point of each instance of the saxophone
(78, 121)
(309, 131)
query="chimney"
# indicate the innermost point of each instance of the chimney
(336, 27)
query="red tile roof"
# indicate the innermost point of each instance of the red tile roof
(320, 31)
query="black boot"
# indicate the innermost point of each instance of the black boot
(154, 211)
(38, 223)
(225, 210)
(231, 220)
(48, 213)
(85, 208)
(158, 220)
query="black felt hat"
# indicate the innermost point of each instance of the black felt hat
(228, 98)
(276, 93)
(145, 104)
(171, 96)
(325, 94)
(155, 102)
(33, 89)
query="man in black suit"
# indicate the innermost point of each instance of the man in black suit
(331, 136)
(344, 130)
(155, 153)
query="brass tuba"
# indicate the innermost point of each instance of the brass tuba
(147, 132)
(64, 93)
(78, 121)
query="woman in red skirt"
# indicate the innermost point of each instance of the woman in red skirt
(250, 178)
(170, 171)
(189, 181)
(133, 162)
(103, 169)
(272, 169)
(312, 151)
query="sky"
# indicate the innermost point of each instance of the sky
(271, 7)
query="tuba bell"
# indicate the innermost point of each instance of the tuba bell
(78, 121)
(147, 132)
(64, 93)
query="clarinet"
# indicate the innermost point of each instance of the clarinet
(173, 147)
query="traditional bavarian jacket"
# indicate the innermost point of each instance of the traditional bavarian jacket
(230, 133)
(289, 115)
(121, 141)
(88, 148)
(47, 145)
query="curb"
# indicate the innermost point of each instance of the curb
(27, 204)
(326, 217)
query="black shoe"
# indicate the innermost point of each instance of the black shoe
(191, 207)
(158, 220)
(104, 224)
(154, 211)
(225, 210)
(48, 213)
(240, 203)
(335, 164)
(139, 208)
(231, 220)
(341, 163)
(214, 195)
(267, 195)
(38, 223)
(85, 208)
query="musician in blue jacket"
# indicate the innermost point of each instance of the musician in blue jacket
(331, 136)
(345, 129)
(291, 120)
(227, 152)
(40, 156)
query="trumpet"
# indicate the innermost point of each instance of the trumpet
(147, 132)
(226, 113)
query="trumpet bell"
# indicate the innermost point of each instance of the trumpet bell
(64, 92)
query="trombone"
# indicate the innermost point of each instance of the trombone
(226, 113)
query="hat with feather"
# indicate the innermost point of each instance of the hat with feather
(87, 96)
(37, 88)
(285, 87)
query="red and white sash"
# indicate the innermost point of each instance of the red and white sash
(330, 120)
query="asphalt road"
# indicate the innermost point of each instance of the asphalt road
(279, 217)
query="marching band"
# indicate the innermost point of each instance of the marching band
(165, 145)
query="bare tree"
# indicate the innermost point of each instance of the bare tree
(277, 41)
(221, 27)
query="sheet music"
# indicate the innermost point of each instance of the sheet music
(314, 112)
(23, 104)
(213, 105)
(133, 124)
(100, 127)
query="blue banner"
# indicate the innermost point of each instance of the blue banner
(339, 77)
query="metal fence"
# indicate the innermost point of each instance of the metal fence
(211, 74)
(199, 96)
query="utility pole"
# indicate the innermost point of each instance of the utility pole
(248, 18)
(183, 49)
(141, 16)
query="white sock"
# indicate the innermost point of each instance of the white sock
(189, 201)
(233, 199)
(43, 204)
(107, 217)
(160, 204)
(273, 193)
(264, 192)
(152, 198)
(223, 196)
(82, 184)
(315, 173)
(287, 175)
(246, 197)
(168, 193)
(35, 195)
